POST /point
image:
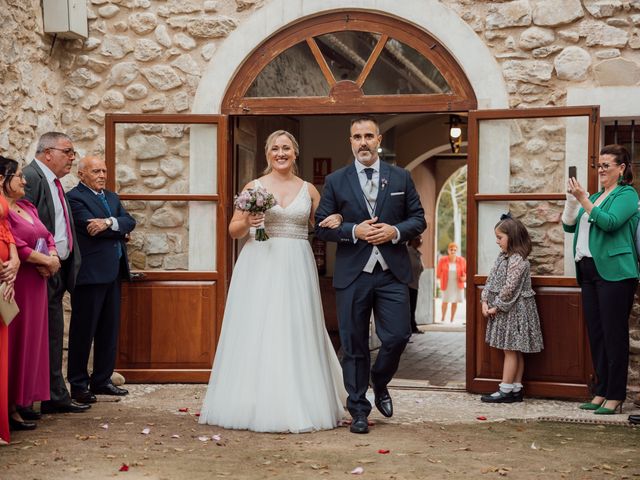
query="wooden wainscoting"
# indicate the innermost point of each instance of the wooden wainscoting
(169, 331)
(563, 368)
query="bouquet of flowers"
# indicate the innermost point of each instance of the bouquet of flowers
(255, 200)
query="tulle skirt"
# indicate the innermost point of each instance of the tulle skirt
(275, 369)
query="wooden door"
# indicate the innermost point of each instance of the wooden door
(518, 162)
(170, 172)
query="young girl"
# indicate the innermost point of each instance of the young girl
(508, 303)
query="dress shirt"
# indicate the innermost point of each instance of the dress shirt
(60, 233)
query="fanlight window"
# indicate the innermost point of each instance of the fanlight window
(378, 64)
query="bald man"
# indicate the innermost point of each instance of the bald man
(102, 225)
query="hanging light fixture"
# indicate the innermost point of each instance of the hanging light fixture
(455, 132)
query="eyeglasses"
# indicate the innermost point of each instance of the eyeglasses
(606, 166)
(69, 152)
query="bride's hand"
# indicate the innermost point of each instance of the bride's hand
(332, 221)
(256, 219)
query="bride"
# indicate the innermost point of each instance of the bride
(275, 369)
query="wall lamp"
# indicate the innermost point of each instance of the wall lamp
(455, 132)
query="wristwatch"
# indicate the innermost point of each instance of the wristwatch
(109, 222)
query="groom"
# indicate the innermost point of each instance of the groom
(380, 211)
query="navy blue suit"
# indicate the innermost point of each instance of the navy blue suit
(95, 302)
(358, 292)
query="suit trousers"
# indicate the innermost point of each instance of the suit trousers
(388, 298)
(95, 318)
(56, 287)
(606, 307)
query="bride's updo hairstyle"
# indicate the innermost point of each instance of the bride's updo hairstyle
(270, 141)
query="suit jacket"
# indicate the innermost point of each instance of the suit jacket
(37, 191)
(100, 252)
(398, 204)
(612, 234)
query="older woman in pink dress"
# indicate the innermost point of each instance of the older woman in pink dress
(29, 331)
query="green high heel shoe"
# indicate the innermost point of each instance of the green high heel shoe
(609, 411)
(590, 406)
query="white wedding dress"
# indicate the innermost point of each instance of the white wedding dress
(275, 369)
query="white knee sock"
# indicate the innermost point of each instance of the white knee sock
(504, 388)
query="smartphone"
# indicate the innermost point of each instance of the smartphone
(572, 172)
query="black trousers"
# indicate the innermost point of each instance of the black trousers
(606, 307)
(56, 286)
(413, 303)
(95, 318)
(388, 298)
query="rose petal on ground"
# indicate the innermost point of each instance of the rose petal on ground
(216, 438)
(145, 431)
(105, 426)
(175, 435)
(383, 451)
(203, 438)
(357, 471)
(481, 417)
(184, 409)
(533, 446)
(124, 468)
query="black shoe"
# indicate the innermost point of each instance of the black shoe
(109, 389)
(634, 419)
(417, 331)
(360, 424)
(83, 396)
(72, 407)
(383, 401)
(18, 425)
(519, 395)
(502, 397)
(28, 413)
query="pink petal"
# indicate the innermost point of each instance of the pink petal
(357, 471)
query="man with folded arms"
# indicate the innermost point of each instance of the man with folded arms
(103, 225)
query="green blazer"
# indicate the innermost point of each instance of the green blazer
(612, 234)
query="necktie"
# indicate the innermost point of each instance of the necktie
(370, 188)
(103, 199)
(66, 214)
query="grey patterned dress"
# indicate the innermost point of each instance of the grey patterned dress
(516, 325)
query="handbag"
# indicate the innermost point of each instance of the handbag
(8, 310)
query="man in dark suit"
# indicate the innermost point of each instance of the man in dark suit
(380, 211)
(54, 158)
(103, 225)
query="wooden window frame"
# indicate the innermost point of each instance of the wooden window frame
(346, 96)
(219, 199)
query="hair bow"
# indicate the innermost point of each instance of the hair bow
(505, 216)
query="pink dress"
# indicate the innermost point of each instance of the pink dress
(5, 240)
(29, 331)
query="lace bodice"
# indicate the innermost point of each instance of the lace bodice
(292, 221)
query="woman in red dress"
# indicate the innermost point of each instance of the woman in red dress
(9, 267)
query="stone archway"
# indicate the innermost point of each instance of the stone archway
(473, 56)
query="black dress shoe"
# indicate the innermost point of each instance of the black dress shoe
(383, 401)
(360, 424)
(18, 425)
(109, 389)
(83, 396)
(72, 407)
(634, 419)
(28, 413)
(499, 397)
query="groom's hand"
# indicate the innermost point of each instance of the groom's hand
(381, 233)
(363, 229)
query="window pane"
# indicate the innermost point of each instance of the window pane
(551, 254)
(166, 239)
(401, 70)
(166, 158)
(347, 52)
(293, 73)
(531, 155)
